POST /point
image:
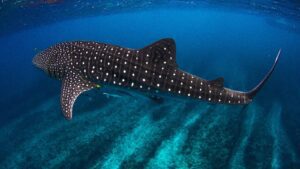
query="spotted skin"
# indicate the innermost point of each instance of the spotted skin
(82, 65)
(73, 85)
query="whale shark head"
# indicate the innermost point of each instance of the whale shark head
(52, 61)
(41, 60)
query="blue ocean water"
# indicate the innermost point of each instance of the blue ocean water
(129, 132)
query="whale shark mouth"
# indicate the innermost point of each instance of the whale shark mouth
(40, 61)
(35, 61)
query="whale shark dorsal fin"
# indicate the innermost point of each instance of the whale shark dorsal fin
(72, 86)
(161, 52)
(218, 82)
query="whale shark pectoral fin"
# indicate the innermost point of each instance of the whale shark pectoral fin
(218, 82)
(72, 86)
(161, 52)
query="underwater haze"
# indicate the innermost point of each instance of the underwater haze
(235, 40)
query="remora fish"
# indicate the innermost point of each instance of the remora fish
(85, 65)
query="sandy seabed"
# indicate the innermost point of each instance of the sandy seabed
(127, 133)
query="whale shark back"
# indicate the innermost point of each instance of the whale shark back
(162, 52)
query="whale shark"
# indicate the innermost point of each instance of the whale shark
(85, 65)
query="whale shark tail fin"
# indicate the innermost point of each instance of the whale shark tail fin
(256, 89)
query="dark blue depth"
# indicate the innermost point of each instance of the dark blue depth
(129, 132)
